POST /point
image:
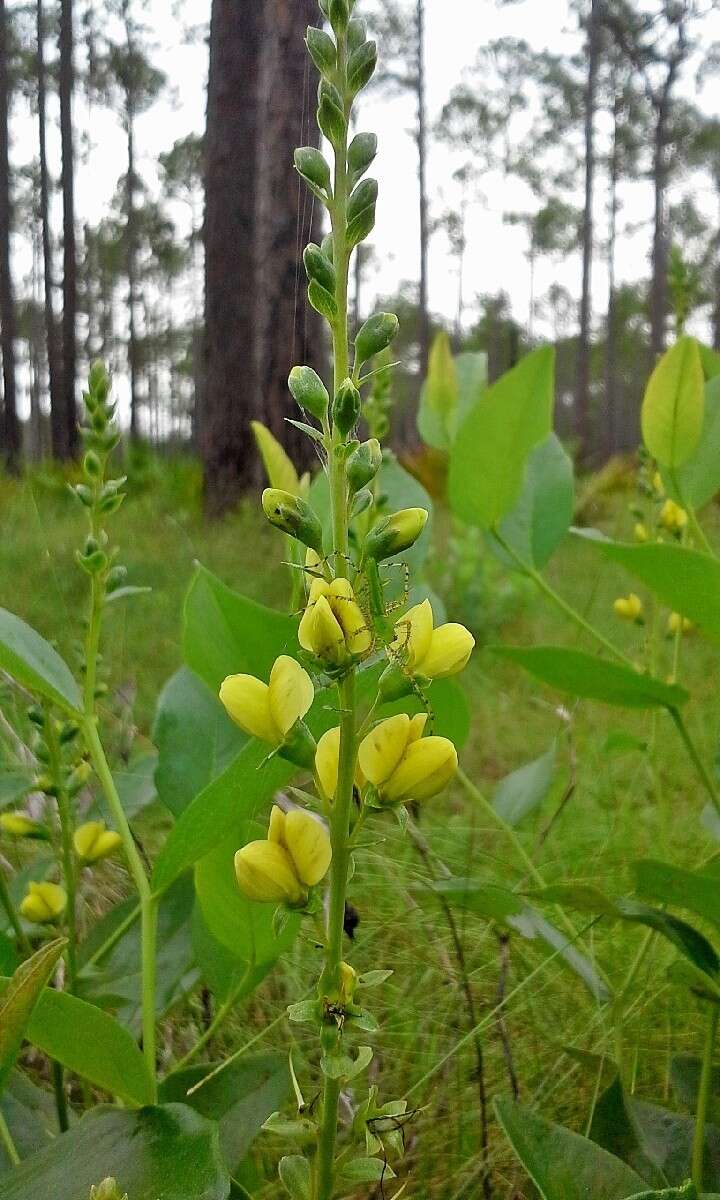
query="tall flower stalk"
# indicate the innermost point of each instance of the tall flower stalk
(365, 765)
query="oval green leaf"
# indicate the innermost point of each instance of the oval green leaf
(21, 996)
(672, 410)
(592, 678)
(31, 660)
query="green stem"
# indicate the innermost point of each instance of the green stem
(7, 1141)
(6, 901)
(342, 806)
(148, 902)
(704, 1098)
(66, 815)
(695, 757)
(58, 1079)
(218, 1020)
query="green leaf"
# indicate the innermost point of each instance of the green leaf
(367, 1170)
(34, 663)
(520, 792)
(685, 1072)
(672, 410)
(136, 785)
(89, 1042)
(20, 998)
(167, 1152)
(240, 1098)
(31, 1117)
(695, 891)
(539, 521)
(710, 360)
(593, 678)
(437, 414)
(698, 479)
(686, 1191)
(687, 940)
(470, 370)
(225, 633)
(562, 1164)
(507, 908)
(686, 580)
(487, 464)
(195, 737)
(13, 786)
(294, 1172)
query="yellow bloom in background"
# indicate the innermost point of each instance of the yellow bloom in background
(678, 624)
(43, 902)
(327, 763)
(269, 710)
(673, 517)
(630, 607)
(658, 484)
(93, 841)
(432, 653)
(19, 824)
(641, 533)
(295, 857)
(333, 626)
(402, 764)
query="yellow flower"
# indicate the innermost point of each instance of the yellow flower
(395, 534)
(269, 710)
(348, 982)
(43, 902)
(432, 653)
(641, 533)
(402, 764)
(678, 624)
(93, 841)
(327, 761)
(333, 626)
(658, 484)
(18, 824)
(673, 517)
(630, 607)
(295, 857)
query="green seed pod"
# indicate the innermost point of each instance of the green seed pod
(293, 516)
(309, 391)
(364, 464)
(396, 533)
(361, 67)
(321, 49)
(319, 268)
(375, 335)
(361, 153)
(313, 167)
(346, 407)
(356, 34)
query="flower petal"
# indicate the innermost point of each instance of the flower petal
(424, 771)
(318, 588)
(358, 637)
(247, 701)
(265, 873)
(327, 758)
(450, 648)
(413, 632)
(290, 692)
(309, 846)
(383, 748)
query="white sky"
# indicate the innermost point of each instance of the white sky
(455, 30)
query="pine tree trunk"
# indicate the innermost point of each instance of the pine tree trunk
(611, 430)
(131, 268)
(11, 440)
(660, 249)
(424, 313)
(290, 332)
(69, 444)
(52, 341)
(582, 390)
(230, 395)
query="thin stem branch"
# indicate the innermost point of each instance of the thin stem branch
(695, 758)
(7, 1141)
(217, 1022)
(703, 1100)
(6, 902)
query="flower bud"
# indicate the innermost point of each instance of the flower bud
(364, 464)
(309, 391)
(339, 14)
(428, 652)
(327, 763)
(346, 408)
(361, 67)
(78, 778)
(93, 841)
(356, 34)
(333, 626)
(395, 534)
(19, 825)
(43, 903)
(375, 335)
(673, 517)
(306, 841)
(310, 163)
(265, 873)
(678, 624)
(348, 983)
(630, 607)
(641, 533)
(319, 268)
(321, 49)
(361, 153)
(294, 516)
(107, 1190)
(269, 711)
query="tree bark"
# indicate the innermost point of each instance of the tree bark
(230, 395)
(52, 340)
(424, 312)
(11, 440)
(131, 268)
(611, 443)
(660, 250)
(582, 392)
(69, 444)
(290, 332)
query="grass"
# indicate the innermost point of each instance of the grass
(605, 810)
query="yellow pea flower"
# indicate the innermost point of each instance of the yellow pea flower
(673, 517)
(333, 626)
(432, 653)
(403, 765)
(327, 762)
(678, 624)
(630, 607)
(269, 710)
(93, 841)
(348, 982)
(658, 484)
(19, 824)
(295, 857)
(306, 841)
(43, 903)
(641, 533)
